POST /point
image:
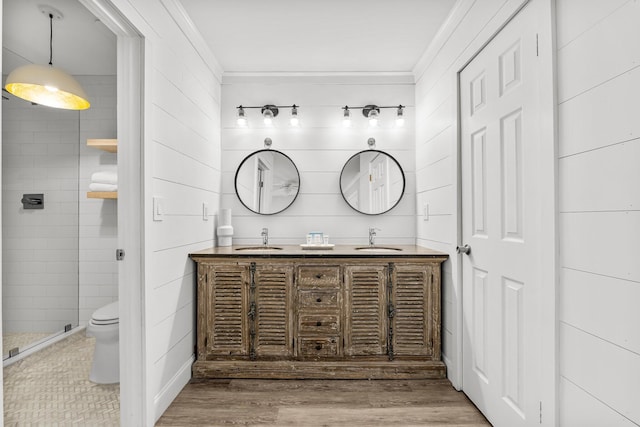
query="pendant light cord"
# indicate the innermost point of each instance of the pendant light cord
(50, 39)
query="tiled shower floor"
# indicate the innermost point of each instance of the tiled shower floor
(20, 339)
(52, 387)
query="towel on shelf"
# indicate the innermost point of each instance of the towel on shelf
(98, 186)
(105, 177)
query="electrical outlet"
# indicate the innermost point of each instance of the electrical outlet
(158, 209)
(205, 211)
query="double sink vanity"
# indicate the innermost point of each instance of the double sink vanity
(344, 312)
(347, 313)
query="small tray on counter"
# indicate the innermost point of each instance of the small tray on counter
(317, 246)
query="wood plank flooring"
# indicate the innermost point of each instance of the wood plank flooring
(321, 403)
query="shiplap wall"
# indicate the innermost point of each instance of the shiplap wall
(469, 24)
(181, 166)
(598, 48)
(319, 147)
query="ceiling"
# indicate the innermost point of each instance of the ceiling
(258, 36)
(82, 45)
(246, 36)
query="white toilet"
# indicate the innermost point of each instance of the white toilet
(104, 325)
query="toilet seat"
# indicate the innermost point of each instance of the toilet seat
(107, 315)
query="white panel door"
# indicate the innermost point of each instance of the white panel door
(500, 224)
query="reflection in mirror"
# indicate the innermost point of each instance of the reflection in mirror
(372, 182)
(267, 182)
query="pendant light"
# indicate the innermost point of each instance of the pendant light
(45, 84)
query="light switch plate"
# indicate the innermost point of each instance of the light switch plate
(205, 211)
(425, 212)
(158, 209)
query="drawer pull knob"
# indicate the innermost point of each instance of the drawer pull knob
(318, 276)
(318, 346)
(318, 323)
(319, 300)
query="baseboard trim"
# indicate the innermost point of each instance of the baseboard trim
(170, 391)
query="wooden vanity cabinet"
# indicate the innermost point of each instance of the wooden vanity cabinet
(244, 310)
(318, 318)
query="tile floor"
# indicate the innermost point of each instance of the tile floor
(52, 387)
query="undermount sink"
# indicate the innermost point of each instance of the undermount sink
(378, 249)
(259, 248)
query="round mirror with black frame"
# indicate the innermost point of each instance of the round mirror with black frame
(267, 182)
(372, 182)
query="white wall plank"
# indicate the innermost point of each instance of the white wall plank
(607, 372)
(575, 24)
(602, 306)
(591, 181)
(588, 245)
(615, 42)
(602, 116)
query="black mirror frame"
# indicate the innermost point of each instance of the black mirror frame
(235, 180)
(404, 182)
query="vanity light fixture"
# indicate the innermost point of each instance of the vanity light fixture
(269, 113)
(372, 113)
(241, 119)
(294, 121)
(45, 84)
(346, 118)
(400, 117)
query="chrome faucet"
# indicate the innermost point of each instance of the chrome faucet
(372, 235)
(265, 236)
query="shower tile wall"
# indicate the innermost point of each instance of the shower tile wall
(40, 247)
(98, 217)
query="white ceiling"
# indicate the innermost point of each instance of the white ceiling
(318, 36)
(246, 36)
(82, 45)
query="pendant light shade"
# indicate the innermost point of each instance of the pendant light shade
(47, 85)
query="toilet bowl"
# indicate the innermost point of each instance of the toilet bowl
(104, 325)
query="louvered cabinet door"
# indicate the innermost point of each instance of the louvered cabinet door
(227, 325)
(365, 310)
(273, 299)
(413, 321)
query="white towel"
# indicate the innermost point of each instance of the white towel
(97, 186)
(105, 177)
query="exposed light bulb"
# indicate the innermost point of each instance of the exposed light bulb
(400, 117)
(241, 118)
(373, 118)
(267, 115)
(294, 117)
(346, 118)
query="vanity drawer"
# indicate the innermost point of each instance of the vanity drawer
(318, 347)
(319, 276)
(318, 299)
(325, 324)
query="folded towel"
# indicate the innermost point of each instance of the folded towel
(105, 177)
(97, 186)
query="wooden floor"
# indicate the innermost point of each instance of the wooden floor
(322, 403)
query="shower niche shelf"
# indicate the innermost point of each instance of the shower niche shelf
(110, 146)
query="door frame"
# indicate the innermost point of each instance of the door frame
(134, 407)
(544, 14)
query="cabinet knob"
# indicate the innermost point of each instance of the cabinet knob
(318, 276)
(318, 323)
(318, 346)
(319, 300)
